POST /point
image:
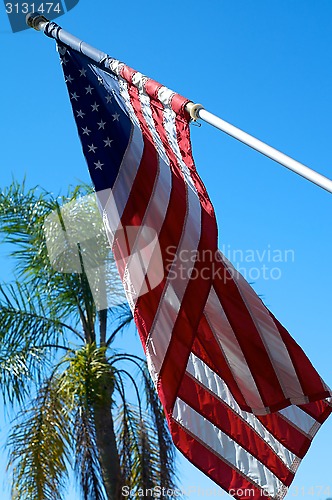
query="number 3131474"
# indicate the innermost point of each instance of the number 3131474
(25, 8)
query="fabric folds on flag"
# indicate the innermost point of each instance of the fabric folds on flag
(242, 400)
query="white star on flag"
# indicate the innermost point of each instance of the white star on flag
(92, 148)
(74, 96)
(82, 72)
(89, 89)
(80, 113)
(86, 131)
(108, 142)
(101, 124)
(69, 79)
(95, 106)
(99, 165)
(116, 117)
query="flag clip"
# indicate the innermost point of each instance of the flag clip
(193, 110)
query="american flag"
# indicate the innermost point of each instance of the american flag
(242, 400)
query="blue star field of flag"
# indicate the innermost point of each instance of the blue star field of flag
(103, 124)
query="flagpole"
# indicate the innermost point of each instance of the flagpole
(53, 30)
(196, 111)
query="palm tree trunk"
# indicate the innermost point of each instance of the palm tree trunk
(106, 442)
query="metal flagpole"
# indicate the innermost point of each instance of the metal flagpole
(196, 111)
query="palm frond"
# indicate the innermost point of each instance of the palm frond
(87, 465)
(87, 386)
(39, 448)
(139, 451)
(80, 382)
(23, 215)
(120, 318)
(145, 431)
(25, 315)
(167, 457)
(57, 250)
(26, 328)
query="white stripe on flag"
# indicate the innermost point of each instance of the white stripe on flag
(159, 341)
(304, 422)
(225, 448)
(129, 167)
(155, 211)
(170, 125)
(177, 281)
(231, 350)
(169, 306)
(211, 381)
(271, 338)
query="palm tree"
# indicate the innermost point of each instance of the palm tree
(83, 403)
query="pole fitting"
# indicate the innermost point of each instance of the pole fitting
(193, 110)
(36, 21)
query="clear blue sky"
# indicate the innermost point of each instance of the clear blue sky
(265, 66)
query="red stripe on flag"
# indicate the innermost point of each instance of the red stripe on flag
(197, 291)
(208, 350)
(169, 238)
(183, 139)
(286, 433)
(251, 343)
(312, 384)
(220, 471)
(319, 410)
(229, 422)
